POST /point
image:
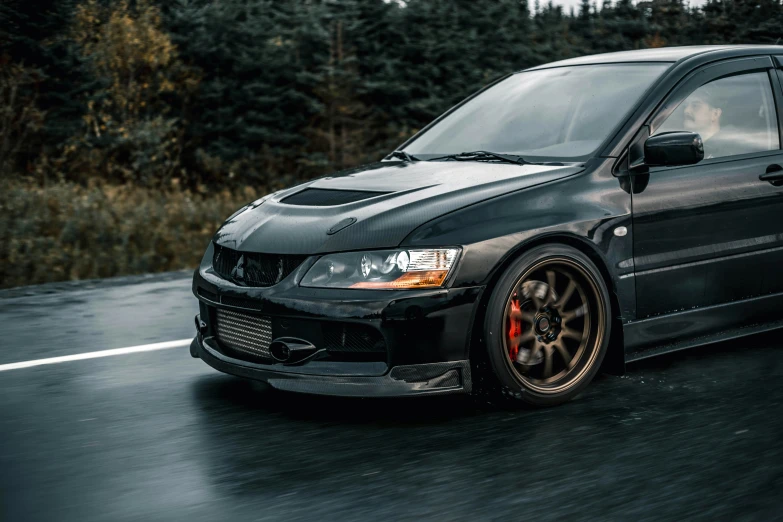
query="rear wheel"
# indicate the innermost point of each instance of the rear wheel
(547, 325)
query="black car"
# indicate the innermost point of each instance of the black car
(566, 218)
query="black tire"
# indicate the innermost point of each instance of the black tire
(524, 371)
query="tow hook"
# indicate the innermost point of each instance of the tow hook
(201, 326)
(290, 350)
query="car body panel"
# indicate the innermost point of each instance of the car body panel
(430, 325)
(664, 54)
(417, 192)
(700, 326)
(706, 236)
(585, 209)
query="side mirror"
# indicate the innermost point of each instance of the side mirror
(673, 149)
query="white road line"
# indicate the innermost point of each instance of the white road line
(95, 355)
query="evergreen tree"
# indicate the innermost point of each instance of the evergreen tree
(33, 36)
(271, 91)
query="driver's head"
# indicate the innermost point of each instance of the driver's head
(702, 113)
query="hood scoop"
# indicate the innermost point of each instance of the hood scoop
(313, 197)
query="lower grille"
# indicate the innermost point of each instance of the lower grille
(247, 335)
(353, 338)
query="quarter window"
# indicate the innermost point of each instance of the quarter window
(734, 115)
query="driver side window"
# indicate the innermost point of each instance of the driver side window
(734, 115)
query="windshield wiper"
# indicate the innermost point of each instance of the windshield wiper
(401, 154)
(483, 155)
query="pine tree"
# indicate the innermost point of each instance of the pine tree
(33, 36)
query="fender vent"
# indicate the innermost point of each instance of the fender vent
(313, 197)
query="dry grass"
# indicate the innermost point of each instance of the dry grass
(66, 231)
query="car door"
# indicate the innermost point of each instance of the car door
(710, 234)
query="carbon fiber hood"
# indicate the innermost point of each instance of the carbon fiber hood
(415, 194)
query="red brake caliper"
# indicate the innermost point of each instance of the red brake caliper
(515, 329)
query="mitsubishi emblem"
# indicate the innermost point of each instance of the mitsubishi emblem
(238, 272)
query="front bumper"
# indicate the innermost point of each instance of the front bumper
(408, 380)
(426, 334)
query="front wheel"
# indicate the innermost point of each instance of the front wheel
(547, 325)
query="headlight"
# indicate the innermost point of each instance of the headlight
(383, 269)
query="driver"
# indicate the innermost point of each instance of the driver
(703, 112)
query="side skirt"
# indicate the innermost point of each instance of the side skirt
(691, 328)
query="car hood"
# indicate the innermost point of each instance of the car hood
(413, 194)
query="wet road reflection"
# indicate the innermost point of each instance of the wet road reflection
(684, 436)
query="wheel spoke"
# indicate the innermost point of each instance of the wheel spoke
(575, 313)
(567, 294)
(518, 315)
(524, 338)
(532, 289)
(534, 350)
(550, 279)
(571, 333)
(547, 361)
(567, 357)
(538, 303)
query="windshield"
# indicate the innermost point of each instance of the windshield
(560, 113)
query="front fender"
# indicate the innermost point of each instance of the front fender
(582, 210)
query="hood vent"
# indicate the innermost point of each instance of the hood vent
(313, 197)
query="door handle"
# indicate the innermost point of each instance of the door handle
(773, 175)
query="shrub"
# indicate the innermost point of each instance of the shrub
(133, 131)
(66, 231)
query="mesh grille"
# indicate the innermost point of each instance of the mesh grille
(352, 338)
(247, 335)
(253, 269)
(327, 198)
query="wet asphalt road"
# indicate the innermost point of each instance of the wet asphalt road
(161, 436)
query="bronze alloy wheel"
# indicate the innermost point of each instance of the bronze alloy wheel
(551, 325)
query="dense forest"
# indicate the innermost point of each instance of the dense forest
(128, 129)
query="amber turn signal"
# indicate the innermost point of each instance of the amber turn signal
(420, 279)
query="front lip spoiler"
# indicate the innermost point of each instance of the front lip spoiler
(409, 380)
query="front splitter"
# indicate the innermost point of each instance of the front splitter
(401, 381)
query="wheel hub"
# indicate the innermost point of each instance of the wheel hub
(547, 324)
(542, 325)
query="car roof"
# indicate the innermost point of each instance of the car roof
(661, 54)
